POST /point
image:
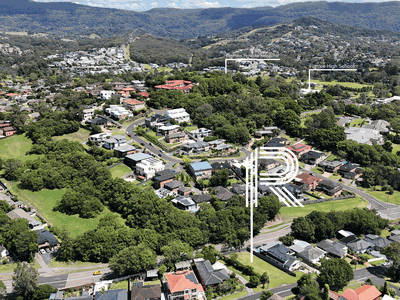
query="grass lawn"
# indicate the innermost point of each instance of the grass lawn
(235, 295)
(45, 200)
(190, 128)
(317, 170)
(335, 177)
(277, 277)
(352, 285)
(153, 134)
(357, 123)
(293, 212)
(396, 148)
(82, 135)
(15, 147)
(383, 195)
(332, 158)
(292, 140)
(301, 164)
(345, 84)
(120, 170)
(356, 266)
(377, 262)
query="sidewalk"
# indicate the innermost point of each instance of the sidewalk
(44, 270)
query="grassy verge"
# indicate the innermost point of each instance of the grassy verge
(288, 213)
(81, 136)
(357, 122)
(190, 128)
(335, 177)
(235, 295)
(45, 200)
(352, 285)
(16, 147)
(383, 195)
(377, 262)
(60, 264)
(277, 277)
(318, 170)
(355, 267)
(120, 170)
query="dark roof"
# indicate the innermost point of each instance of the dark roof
(239, 188)
(280, 252)
(349, 166)
(395, 238)
(223, 194)
(46, 237)
(312, 155)
(201, 198)
(360, 245)
(378, 241)
(208, 275)
(146, 292)
(332, 247)
(173, 184)
(165, 175)
(112, 295)
(311, 253)
(348, 239)
(97, 121)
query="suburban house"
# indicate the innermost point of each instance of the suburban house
(300, 149)
(379, 242)
(283, 256)
(313, 157)
(179, 85)
(201, 198)
(222, 194)
(155, 119)
(224, 165)
(139, 291)
(200, 170)
(381, 126)
(148, 167)
(365, 292)
(295, 190)
(173, 185)
(132, 160)
(239, 189)
(88, 114)
(183, 285)
(3, 251)
(331, 166)
(364, 135)
(360, 246)
(335, 249)
(200, 133)
(268, 163)
(178, 137)
(196, 147)
(99, 138)
(167, 129)
(47, 239)
(100, 121)
(348, 167)
(163, 177)
(133, 104)
(163, 192)
(207, 275)
(122, 151)
(330, 188)
(185, 203)
(115, 141)
(105, 95)
(19, 213)
(118, 112)
(179, 115)
(184, 191)
(307, 181)
(312, 254)
(277, 142)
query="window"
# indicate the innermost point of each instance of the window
(186, 291)
(194, 291)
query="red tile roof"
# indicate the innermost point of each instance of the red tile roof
(368, 292)
(307, 178)
(133, 101)
(299, 147)
(350, 294)
(333, 295)
(180, 281)
(128, 89)
(144, 94)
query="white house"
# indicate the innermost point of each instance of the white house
(88, 114)
(148, 167)
(179, 115)
(115, 141)
(118, 112)
(3, 251)
(105, 95)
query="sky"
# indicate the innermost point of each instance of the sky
(143, 5)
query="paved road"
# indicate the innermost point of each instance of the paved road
(386, 210)
(58, 281)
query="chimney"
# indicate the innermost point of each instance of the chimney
(129, 289)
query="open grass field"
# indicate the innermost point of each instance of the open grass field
(120, 170)
(45, 200)
(345, 84)
(318, 170)
(16, 146)
(277, 277)
(80, 136)
(288, 213)
(234, 296)
(377, 262)
(383, 195)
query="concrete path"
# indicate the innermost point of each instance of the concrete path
(244, 281)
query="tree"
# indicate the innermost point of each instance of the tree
(96, 129)
(325, 295)
(264, 278)
(266, 295)
(176, 251)
(385, 289)
(392, 252)
(25, 279)
(161, 270)
(336, 272)
(133, 260)
(220, 178)
(254, 280)
(43, 292)
(3, 290)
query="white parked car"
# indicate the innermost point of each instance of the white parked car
(42, 251)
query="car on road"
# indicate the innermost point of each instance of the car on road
(161, 150)
(142, 144)
(151, 144)
(42, 251)
(97, 273)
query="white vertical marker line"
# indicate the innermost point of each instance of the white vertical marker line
(256, 179)
(247, 181)
(251, 206)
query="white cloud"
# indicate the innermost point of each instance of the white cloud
(172, 4)
(208, 4)
(154, 4)
(197, 4)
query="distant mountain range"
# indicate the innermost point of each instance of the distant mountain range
(70, 19)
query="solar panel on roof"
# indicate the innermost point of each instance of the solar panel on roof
(191, 277)
(137, 284)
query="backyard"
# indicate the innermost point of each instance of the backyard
(120, 170)
(16, 146)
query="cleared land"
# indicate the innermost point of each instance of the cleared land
(277, 277)
(345, 204)
(383, 195)
(80, 136)
(345, 84)
(16, 146)
(120, 170)
(45, 200)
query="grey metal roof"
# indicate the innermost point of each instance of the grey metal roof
(208, 275)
